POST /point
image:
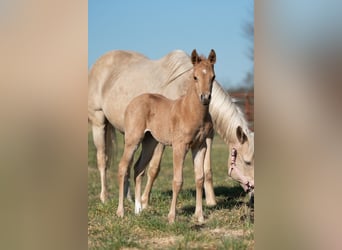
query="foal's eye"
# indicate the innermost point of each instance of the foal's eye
(248, 163)
(195, 78)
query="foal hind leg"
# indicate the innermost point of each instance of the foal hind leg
(127, 186)
(179, 152)
(148, 146)
(208, 177)
(126, 160)
(98, 129)
(152, 173)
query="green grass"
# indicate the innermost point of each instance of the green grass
(228, 225)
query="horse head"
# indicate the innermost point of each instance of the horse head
(203, 75)
(241, 161)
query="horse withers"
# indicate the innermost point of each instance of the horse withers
(183, 123)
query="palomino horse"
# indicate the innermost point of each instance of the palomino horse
(119, 76)
(183, 123)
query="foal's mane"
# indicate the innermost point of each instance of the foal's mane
(225, 114)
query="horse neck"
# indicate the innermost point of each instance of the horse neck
(225, 115)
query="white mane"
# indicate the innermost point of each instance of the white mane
(226, 115)
(177, 63)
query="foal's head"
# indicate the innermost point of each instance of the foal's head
(203, 74)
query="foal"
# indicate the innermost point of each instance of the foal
(183, 123)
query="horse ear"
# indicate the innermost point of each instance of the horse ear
(241, 136)
(194, 57)
(212, 57)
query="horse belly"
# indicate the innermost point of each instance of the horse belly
(161, 132)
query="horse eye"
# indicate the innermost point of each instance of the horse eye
(213, 78)
(248, 163)
(195, 78)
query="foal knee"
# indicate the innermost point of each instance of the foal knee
(199, 182)
(122, 172)
(177, 185)
(153, 170)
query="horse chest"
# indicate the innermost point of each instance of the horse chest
(201, 134)
(192, 136)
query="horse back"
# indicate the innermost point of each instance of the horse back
(106, 69)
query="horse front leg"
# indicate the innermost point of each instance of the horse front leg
(208, 176)
(152, 173)
(198, 155)
(179, 152)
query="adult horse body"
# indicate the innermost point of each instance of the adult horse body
(119, 76)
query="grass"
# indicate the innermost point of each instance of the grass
(228, 225)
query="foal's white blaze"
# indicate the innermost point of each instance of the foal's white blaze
(138, 207)
(204, 71)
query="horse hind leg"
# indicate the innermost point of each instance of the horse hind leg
(148, 146)
(99, 129)
(152, 173)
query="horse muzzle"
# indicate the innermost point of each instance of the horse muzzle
(248, 187)
(205, 98)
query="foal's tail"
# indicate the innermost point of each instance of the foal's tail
(111, 144)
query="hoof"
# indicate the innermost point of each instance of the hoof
(104, 197)
(138, 208)
(211, 203)
(120, 214)
(200, 219)
(129, 198)
(171, 219)
(144, 203)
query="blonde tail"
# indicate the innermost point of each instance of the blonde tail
(109, 141)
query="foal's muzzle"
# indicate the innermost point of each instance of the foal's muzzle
(205, 98)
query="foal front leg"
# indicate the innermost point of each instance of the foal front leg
(198, 155)
(179, 152)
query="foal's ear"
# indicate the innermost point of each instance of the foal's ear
(194, 57)
(241, 136)
(212, 57)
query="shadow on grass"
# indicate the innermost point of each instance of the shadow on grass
(232, 197)
(227, 198)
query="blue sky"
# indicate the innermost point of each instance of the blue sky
(155, 28)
